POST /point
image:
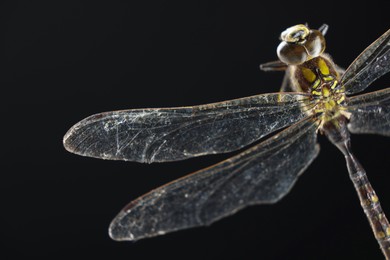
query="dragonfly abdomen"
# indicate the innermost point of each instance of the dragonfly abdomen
(337, 132)
(370, 203)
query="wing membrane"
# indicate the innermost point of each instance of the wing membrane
(168, 134)
(371, 64)
(370, 113)
(262, 174)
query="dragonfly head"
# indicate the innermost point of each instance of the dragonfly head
(300, 44)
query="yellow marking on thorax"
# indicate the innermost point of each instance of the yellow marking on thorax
(308, 75)
(323, 67)
(388, 231)
(328, 78)
(330, 104)
(340, 100)
(325, 92)
(334, 84)
(316, 83)
(317, 93)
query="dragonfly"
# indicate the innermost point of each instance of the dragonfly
(316, 97)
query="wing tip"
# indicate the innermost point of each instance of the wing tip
(66, 140)
(119, 232)
(74, 139)
(70, 141)
(72, 136)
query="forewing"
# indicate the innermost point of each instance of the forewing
(370, 113)
(371, 64)
(262, 174)
(168, 134)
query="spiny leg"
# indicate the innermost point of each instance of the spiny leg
(279, 66)
(275, 65)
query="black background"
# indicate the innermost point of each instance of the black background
(65, 60)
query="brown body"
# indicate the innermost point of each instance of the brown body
(320, 78)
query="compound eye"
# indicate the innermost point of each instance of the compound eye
(315, 43)
(291, 53)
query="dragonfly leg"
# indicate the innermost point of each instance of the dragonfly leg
(279, 66)
(286, 83)
(276, 65)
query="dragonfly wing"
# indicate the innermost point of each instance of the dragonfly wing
(371, 64)
(370, 113)
(262, 174)
(169, 134)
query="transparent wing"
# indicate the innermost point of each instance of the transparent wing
(168, 134)
(370, 113)
(262, 174)
(371, 64)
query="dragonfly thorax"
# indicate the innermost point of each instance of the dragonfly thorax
(319, 78)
